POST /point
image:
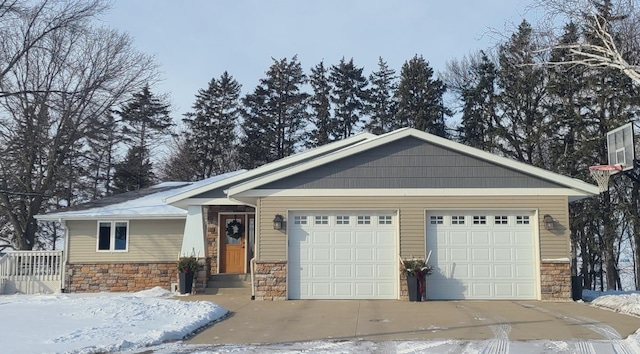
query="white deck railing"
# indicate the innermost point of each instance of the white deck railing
(31, 272)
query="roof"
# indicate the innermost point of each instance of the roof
(145, 203)
(581, 188)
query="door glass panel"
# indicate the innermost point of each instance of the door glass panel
(234, 231)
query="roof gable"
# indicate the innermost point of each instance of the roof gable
(492, 162)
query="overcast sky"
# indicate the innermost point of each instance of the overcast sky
(197, 40)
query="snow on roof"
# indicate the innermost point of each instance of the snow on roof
(145, 203)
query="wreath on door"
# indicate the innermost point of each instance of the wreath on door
(234, 229)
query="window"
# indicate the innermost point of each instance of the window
(436, 220)
(300, 220)
(113, 235)
(479, 220)
(384, 220)
(522, 220)
(364, 220)
(501, 220)
(457, 220)
(342, 220)
(322, 220)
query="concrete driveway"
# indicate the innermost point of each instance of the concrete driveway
(381, 320)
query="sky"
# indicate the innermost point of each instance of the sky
(195, 41)
(151, 321)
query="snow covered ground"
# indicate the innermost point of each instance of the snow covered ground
(150, 321)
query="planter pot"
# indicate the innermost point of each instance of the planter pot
(413, 288)
(186, 282)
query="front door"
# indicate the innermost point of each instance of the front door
(232, 243)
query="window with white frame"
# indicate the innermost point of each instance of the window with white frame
(522, 220)
(501, 220)
(322, 220)
(342, 220)
(113, 235)
(479, 220)
(300, 220)
(436, 220)
(364, 220)
(384, 220)
(457, 220)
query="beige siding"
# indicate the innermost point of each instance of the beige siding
(553, 245)
(149, 241)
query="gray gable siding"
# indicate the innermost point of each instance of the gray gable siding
(410, 163)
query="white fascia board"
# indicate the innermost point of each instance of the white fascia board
(60, 217)
(407, 192)
(572, 183)
(184, 203)
(272, 166)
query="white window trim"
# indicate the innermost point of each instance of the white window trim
(112, 236)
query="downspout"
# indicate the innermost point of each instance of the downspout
(65, 257)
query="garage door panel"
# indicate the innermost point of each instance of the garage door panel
(346, 255)
(498, 261)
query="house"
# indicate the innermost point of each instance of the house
(333, 223)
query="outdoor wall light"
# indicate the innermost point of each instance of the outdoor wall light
(549, 223)
(278, 222)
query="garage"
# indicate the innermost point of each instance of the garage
(482, 254)
(342, 255)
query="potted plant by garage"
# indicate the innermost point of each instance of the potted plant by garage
(187, 267)
(415, 270)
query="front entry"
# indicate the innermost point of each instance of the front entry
(232, 243)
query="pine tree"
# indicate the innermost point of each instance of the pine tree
(146, 123)
(522, 126)
(320, 102)
(420, 98)
(381, 106)
(134, 172)
(479, 111)
(349, 94)
(274, 115)
(212, 138)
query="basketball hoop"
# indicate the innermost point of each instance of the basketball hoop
(601, 174)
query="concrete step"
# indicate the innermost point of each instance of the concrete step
(229, 281)
(228, 291)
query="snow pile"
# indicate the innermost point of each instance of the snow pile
(103, 322)
(627, 303)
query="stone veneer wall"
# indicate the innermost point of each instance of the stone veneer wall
(555, 280)
(95, 277)
(271, 280)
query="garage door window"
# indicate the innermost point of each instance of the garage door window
(384, 220)
(436, 220)
(342, 220)
(364, 220)
(457, 220)
(322, 220)
(522, 220)
(300, 220)
(501, 220)
(479, 220)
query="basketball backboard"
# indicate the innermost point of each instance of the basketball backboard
(620, 147)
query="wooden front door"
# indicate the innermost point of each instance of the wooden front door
(232, 243)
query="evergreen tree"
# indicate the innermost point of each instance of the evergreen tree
(522, 126)
(479, 108)
(146, 123)
(320, 103)
(349, 94)
(381, 106)
(420, 98)
(274, 115)
(212, 136)
(134, 172)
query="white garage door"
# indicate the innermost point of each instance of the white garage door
(481, 255)
(342, 255)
